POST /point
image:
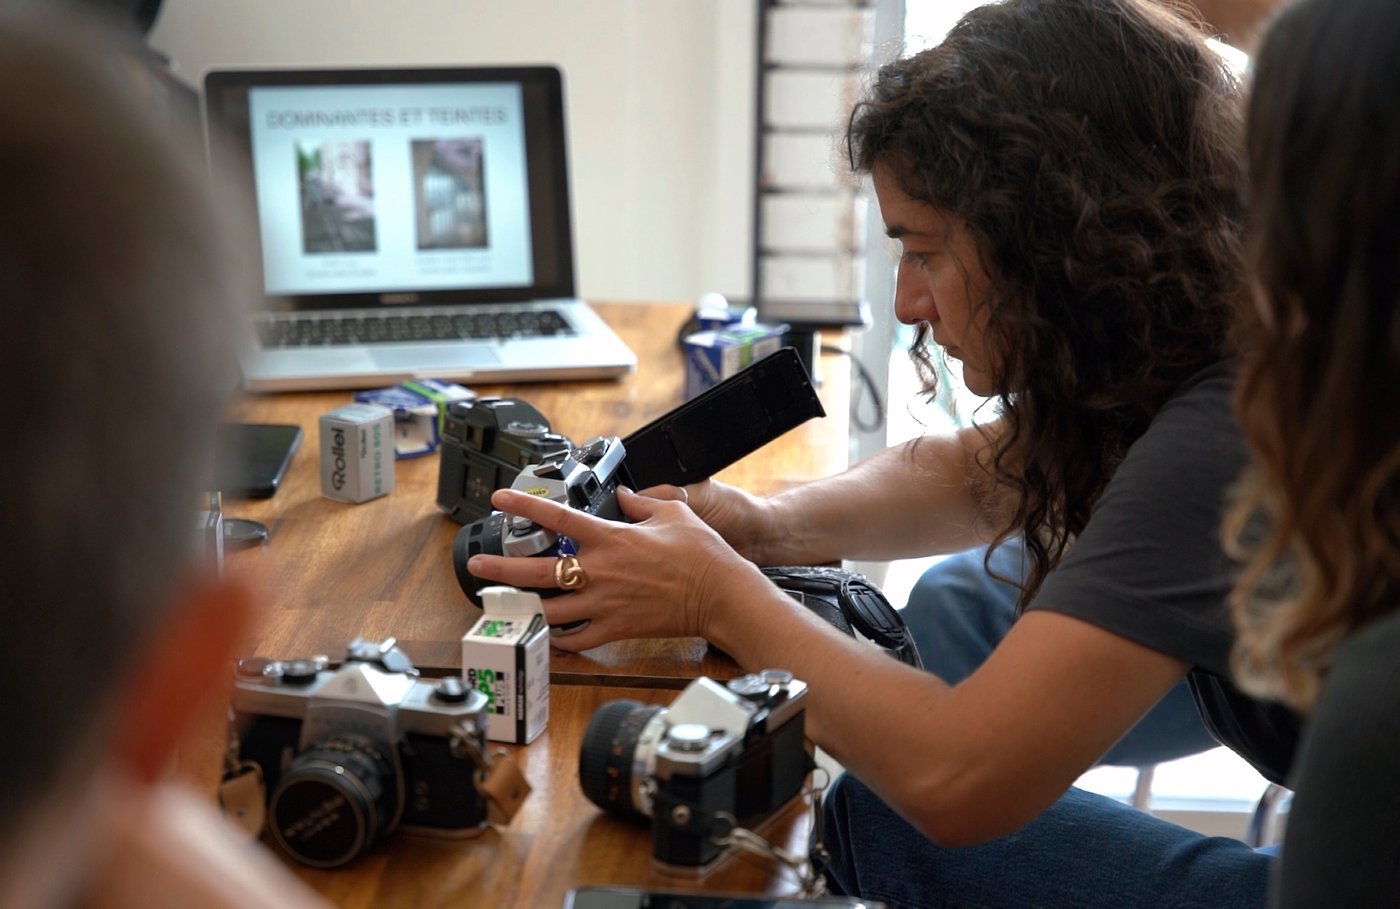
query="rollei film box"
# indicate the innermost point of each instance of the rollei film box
(357, 452)
(505, 656)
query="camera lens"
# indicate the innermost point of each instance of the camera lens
(618, 757)
(479, 536)
(334, 801)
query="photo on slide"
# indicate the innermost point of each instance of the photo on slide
(449, 193)
(337, 196)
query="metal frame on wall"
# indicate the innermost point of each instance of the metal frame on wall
(809, 216)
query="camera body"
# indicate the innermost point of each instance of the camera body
(350, 754)
(485, 444)
(585, 478)
(720, 757)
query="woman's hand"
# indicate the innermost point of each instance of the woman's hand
(660, 576)
(744, 521)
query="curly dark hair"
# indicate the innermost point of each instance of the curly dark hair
(1092, 149)
(1318, 515)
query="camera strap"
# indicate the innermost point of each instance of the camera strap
(243, 797)
(504, 787)
(498, 777)
(722, 829)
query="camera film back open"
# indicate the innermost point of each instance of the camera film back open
(486, 442)
(717, 428)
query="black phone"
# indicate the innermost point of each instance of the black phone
(632, 898)
(251, 459)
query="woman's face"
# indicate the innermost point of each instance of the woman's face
(941, 280)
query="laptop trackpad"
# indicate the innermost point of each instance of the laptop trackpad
(439, 357)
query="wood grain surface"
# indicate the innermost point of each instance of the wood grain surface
(332, 571)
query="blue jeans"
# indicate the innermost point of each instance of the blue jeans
(1085, 851)
(958, 613)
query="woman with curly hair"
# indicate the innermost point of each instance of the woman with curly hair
(1318, 515)
(1065, 180)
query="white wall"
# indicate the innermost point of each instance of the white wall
(659, 95)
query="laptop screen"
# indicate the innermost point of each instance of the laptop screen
(401, 185)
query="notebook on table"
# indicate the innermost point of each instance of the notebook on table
(412, 223)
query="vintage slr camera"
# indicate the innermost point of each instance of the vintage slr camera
(585, 478)
(485, 443)
(350, 754)
(722, 756)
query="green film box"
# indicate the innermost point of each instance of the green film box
(505, 656)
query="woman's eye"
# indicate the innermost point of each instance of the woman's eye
(919, 260)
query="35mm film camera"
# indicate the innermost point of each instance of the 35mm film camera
(686, 445)
(721, 757)
(486, 442)
(585, 478)
(351, 754)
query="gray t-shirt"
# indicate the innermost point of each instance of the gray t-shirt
(1340, 848)
(1149, 565)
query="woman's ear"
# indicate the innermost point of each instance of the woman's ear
(186, 661)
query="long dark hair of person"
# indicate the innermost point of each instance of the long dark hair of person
(1092, 149)
(1318, 514)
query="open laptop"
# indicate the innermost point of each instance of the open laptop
(413, 223)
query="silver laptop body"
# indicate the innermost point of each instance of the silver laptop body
(413, 223)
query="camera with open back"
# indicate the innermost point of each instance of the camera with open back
(485, 444)
(348, 755)
(695, 440)
(720, 757)
(585, 478)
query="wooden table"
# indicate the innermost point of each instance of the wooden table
(383, 568)
(557, 841)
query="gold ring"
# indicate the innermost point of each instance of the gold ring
(569, 574)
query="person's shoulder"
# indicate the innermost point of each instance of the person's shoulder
(1210, 386)
(1365, 663)
(1339, 849)
(1360, 699)
(1197, 425)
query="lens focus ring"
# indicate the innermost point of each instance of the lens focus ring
(609, 756)
(334, 801)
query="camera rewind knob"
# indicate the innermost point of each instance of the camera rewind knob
(451, 690)
(749, 687)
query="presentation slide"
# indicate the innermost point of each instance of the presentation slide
(391, 188)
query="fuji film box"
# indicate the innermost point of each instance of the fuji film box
(357, 452)
(505, 656)
(418, 407)
(713, 356)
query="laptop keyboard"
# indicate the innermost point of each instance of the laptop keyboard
(315, 331)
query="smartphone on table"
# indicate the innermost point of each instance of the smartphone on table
(251, 459)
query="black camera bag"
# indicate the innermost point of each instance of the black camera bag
(849, 601)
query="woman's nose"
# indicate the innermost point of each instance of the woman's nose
(912, 301)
